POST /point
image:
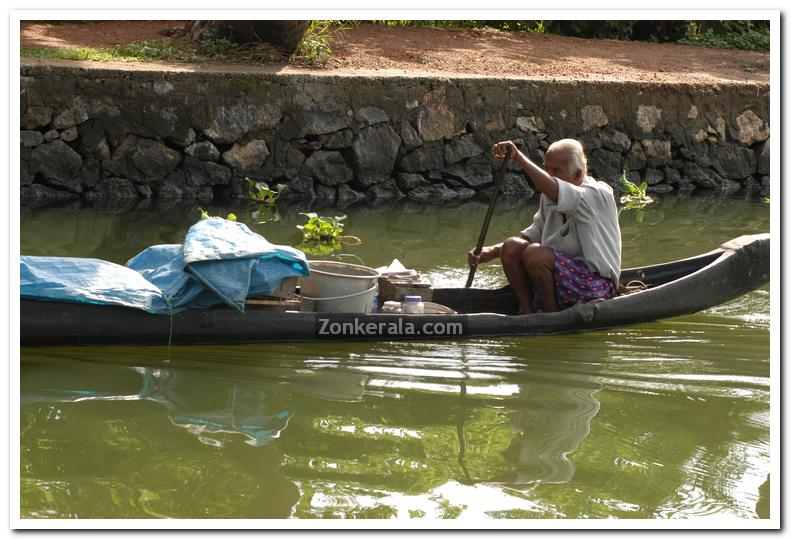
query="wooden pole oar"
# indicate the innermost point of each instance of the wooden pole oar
(498, 182)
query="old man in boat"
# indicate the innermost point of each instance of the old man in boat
(572, 251)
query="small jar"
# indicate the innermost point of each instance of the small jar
(413, 304)
(391, 307)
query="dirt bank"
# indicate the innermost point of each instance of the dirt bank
(431, 51)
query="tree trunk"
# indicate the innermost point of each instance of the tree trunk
(285, 35)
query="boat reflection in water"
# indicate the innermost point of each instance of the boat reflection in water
(194, 400)
(101, 413)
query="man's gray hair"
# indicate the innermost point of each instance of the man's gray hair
(575, 152)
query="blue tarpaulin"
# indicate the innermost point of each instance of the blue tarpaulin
(220, 261)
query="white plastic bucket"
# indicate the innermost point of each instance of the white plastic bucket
(339, 287)
(359, 302)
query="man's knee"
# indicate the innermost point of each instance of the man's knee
(538, 259)
(513, 248)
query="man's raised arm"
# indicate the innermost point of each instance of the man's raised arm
(543, 182)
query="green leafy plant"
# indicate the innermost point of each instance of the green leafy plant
(636, 196)
(743, 35)
(260, 192)
(264, 199)
(766, 200)
(322, 235)
(315, 47)
(216, 47)
(162, 49)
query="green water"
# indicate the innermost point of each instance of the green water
(662, 420)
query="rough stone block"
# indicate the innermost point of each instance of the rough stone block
(653, 176)
(477, 172)
(92, 142)
(205, 173)
(409, 181)
(71, 117)
(734, 160)
(245, 157)
(461, 148)
(328, 167)
(435, 121)
(30, 138)
(530, 124)
(409, 136)
(58, 164)
(672, 176)
(751, 128)
(374, 152)
(152, 160)
(657, 152)
(69, 134)
(318, 121)
(293, 161)
(593, 116)
(340, 140)
(230, 122)
(203, 150)
(299, 188)
(368, 116)
(590, 141)
(605, 164)
(703, 177)
(36, 117)
(635, 158)
(423, 159)
(173, 186)
(614, 140)
(648, 117)
(516, 184)
(90, 173)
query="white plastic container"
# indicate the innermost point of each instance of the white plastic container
(391, 307)
(339, 287)
(413, 305)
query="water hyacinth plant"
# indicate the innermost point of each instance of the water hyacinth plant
(264, 199)
(322, 235)
(636, 196)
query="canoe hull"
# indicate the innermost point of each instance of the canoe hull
(682, 287)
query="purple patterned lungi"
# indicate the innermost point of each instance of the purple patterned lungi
(574, 282)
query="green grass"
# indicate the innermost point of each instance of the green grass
(79, 53)
(742, 35)
(173, 50)
(314, 49)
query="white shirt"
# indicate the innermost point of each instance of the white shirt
(583, 223)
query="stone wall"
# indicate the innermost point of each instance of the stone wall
(101, 133)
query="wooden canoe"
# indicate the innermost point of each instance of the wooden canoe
(674, 288)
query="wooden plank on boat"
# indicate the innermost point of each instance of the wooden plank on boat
(273, 304)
